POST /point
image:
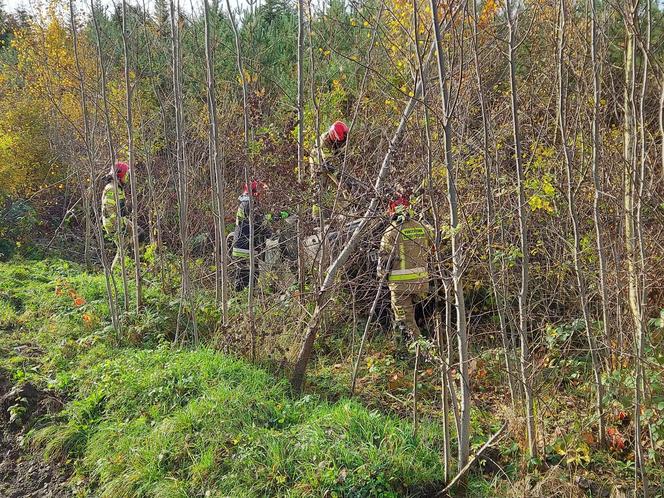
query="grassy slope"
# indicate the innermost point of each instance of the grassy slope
(151, 420)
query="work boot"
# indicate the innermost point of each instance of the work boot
(401, 340)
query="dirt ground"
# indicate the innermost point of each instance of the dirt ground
(23, 473)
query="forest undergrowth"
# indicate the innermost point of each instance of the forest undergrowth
(142, 417)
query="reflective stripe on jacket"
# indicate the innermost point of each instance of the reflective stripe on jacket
(261, 230)
(109, 209)
(412, 242)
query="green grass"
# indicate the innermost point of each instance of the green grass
(173, 423)
(147, 419)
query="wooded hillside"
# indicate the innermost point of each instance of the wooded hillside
(529, 136)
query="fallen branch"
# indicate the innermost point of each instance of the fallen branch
(472, 460)
(299, 370)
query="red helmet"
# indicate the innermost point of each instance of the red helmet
(120, 170)
(338, 131)
(399, 200)
(256, 188)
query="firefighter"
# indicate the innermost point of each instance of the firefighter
(241, 246)
(114, 201)
(404, 256)
(324, 162)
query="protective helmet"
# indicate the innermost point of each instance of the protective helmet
(399, 204)
(338, 131)
(256, 188)
(120, 171)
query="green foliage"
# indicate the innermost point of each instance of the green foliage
(18, 220)
(155, 420)
(557, 336)
(657, 322)
(17, 411)
(8, 316)
(146, 419)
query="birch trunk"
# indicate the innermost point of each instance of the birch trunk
(217, 176)
(186, 292)
(438, 276)
(111, 294)
(300, 146)
(112, 156)
(571, 202)
(247, 180)
(508, 346)
(156, 212)
(130, 147)
(639, 190)
(661, 123)
(522, 213)
(457, 255)
(596, 145)
(630, 223)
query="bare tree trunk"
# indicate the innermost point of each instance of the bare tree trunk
(639, 190)
(87, 192)
(508, 346)
(247, 179)
(417, 362)
(324, 250)
(597, 184)
(524, 360)
(217, 177)
(438, 276)
(661, 123)
(444, 381)
(457, 254)
(156, 211)
(631, 228)
(300, 146)
(187, 305)
(130, 147)
(576, 245)
(449, 381)
(111, 294)
(111, 150)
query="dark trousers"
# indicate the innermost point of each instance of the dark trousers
(242, 275)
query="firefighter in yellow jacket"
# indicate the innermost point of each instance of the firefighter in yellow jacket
(404, 256)
(112, 205)
(324, 167)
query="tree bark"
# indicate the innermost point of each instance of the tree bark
(631, 226)
(130, 146)
(300, 147)
(576, 244)
(112, 156)
(457, 254)
(217, 176)
(596, 173)
(522, 214)
(247, 180)
(508, 346)
(111, 294)
(186, 292)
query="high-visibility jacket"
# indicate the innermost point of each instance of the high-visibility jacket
(409, 243)
(321, 161)
(325, 167)
(261, 229)
(109, 208)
